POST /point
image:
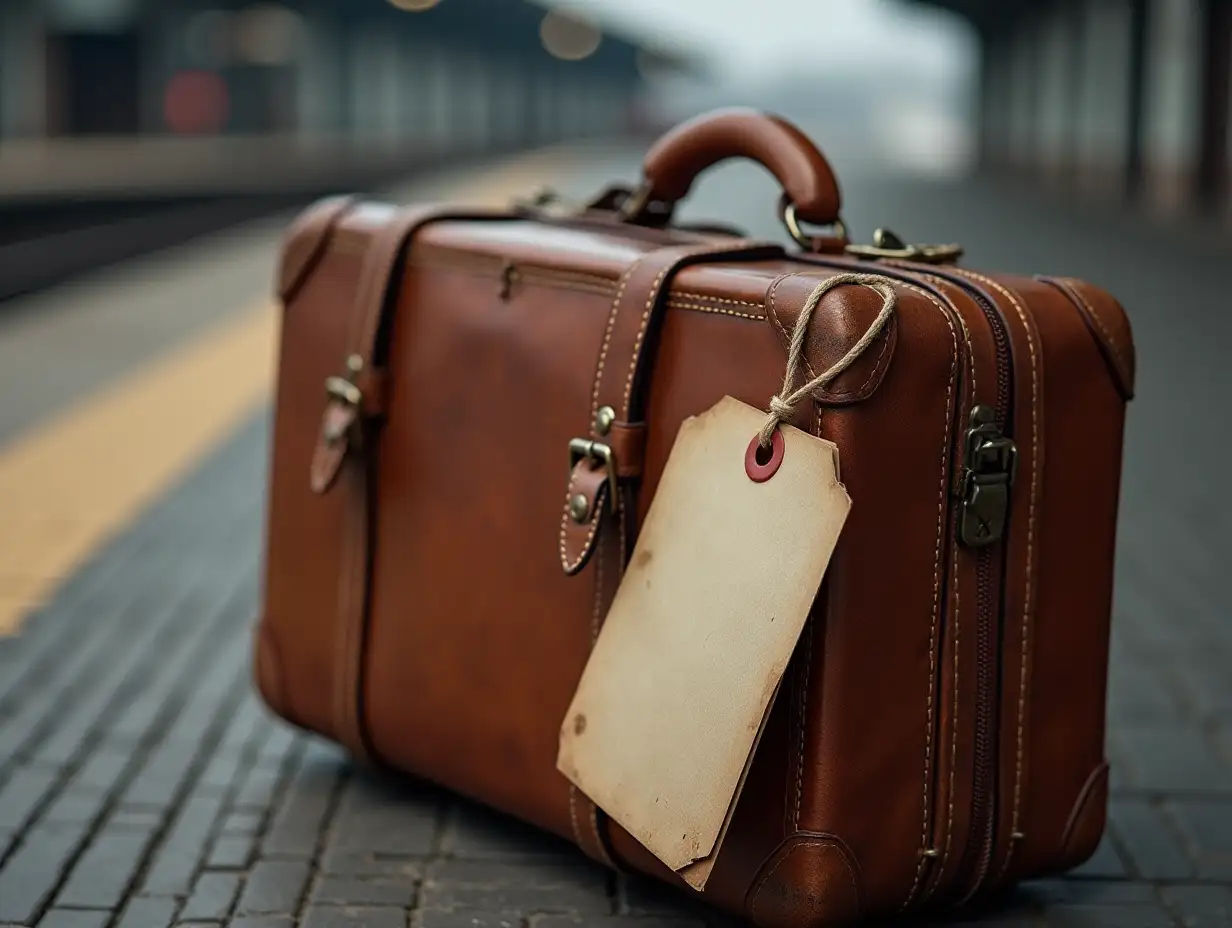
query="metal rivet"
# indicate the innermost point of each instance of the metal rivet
(579, 508)
(604, 419)
(355, 363)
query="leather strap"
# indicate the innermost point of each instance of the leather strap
(619, 383)
(348, 426)
(620, 378)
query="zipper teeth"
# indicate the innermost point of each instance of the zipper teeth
(983, 818)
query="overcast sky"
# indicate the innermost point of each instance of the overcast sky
(758, 36)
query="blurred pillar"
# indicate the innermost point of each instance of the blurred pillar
(1171, 117)
(1105, 96)
(1056, 88)
(994, 97)
(1212, 175)
(320, 84)
(414, 104)
(1023, 115)
(1139, 24)
(23, 70)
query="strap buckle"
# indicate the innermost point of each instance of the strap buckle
(598, 453)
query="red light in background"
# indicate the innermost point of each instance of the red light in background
(195, 102)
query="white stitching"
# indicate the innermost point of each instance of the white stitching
(932, 647)
(607, 337)
(641, 332)
(973, 394)
(599, 500)
(1026, 611)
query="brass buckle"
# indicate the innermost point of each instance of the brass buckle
(792, 222)
(344, 391)
(599, 453)
(888, 245)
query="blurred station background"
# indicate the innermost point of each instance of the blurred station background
(152, 153)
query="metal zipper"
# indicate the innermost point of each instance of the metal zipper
(990, 467)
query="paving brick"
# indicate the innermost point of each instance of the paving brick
(639, 895)
(1137, 916)
(22, 794)
(137, 819)
(257, 790)
(263, 921)
(103, 770)
(242, 823)
(103, 873)
(334, 890)
(1105, 864)
(231, 852)
(148, 913)
(274, 887)
(379, 816)
(29, 876)
(1147, 837)
(354, 916)
(348, 862)
(212, 897)
(1207, 827)
(75, 807)
(517, 887)
(74, 918)
(1173, 759)
(297, 825)
(614, 921)
(447, 918)
(1199, 906)
(182, 849)
(472, 832)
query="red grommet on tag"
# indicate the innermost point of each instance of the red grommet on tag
(763, 463)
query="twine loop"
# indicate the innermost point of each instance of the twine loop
(783, 405)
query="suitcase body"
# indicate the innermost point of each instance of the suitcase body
(433, 586)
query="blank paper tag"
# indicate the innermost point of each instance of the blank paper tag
(675, 695)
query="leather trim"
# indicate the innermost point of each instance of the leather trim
(305, 242)
(818, 883)
(1086, 820)
(1112, 335)
(865, 376)
(267, 671)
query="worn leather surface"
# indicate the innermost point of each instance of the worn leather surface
(456, 655)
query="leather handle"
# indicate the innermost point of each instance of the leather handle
(674, 162)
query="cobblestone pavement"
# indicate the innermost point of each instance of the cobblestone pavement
(142, 784)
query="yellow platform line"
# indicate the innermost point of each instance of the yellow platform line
(71, 484)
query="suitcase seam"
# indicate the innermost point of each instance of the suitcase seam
(933, 639)
(949, 825)
(1027, 605)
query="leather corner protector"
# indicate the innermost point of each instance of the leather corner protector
(577, 539)
(1109, 325)
(1087, 819)
(811, 880)
(267, 670)
(305, 241)
(839, 321)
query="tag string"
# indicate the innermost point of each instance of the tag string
(783, 406)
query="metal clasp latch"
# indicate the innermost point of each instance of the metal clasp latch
(598, 453)
(344, 391)
(888, 245)
(992, 464)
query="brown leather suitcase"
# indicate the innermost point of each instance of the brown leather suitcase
(433, 585)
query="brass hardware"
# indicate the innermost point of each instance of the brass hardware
(341, 389)
(597, 453)
(354, 363)
(931, 853)
(635, 203)
(604, 419)
(579, 508)
(508, 277)
(792, 222)
(888, 245)
(992, 463)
